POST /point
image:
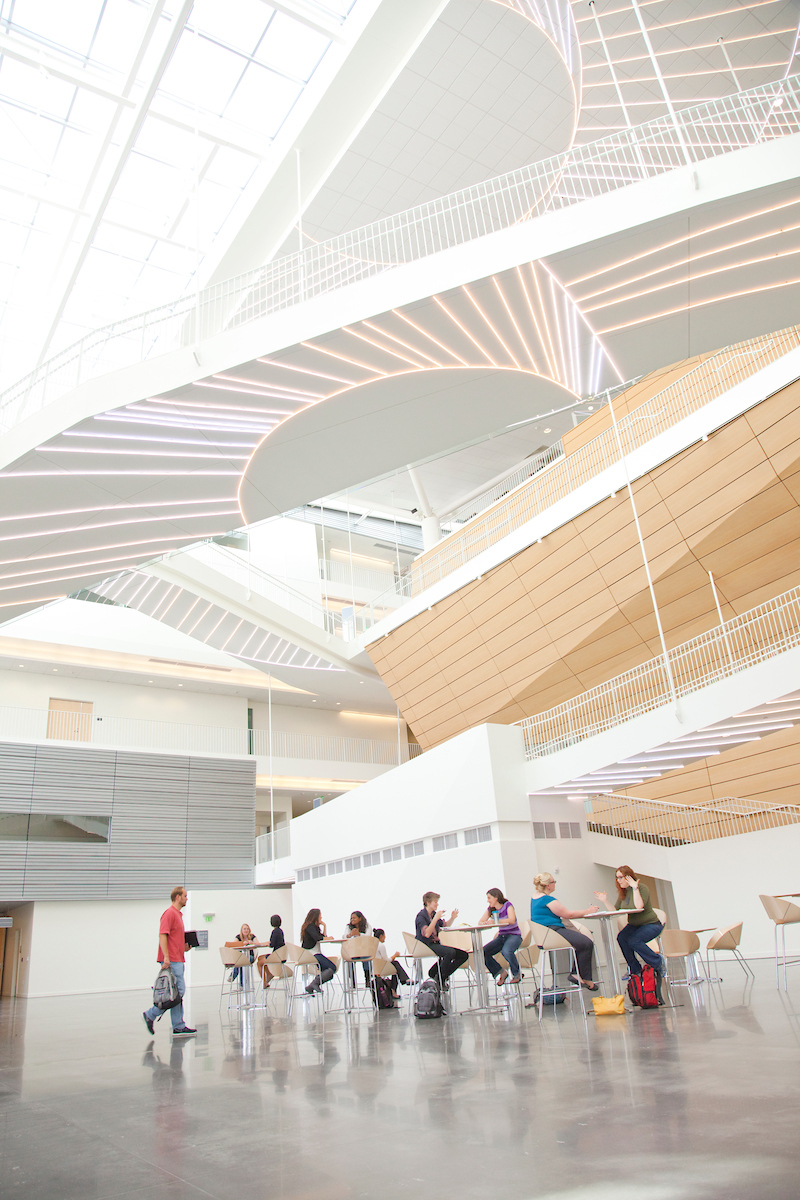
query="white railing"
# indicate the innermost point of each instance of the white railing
(698, 387)
(702, 132)
(40, 725)
(347, 577)
(764, 632)
(663, 824)
(264, 845)
(532, 466)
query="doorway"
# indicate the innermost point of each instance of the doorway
(70, 720)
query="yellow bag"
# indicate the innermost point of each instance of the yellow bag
(608, 1006)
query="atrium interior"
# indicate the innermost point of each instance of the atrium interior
(400, 470)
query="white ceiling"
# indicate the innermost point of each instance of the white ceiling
(485, 92)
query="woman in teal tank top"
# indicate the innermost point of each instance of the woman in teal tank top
(547, 910)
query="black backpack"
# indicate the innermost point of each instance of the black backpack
(382, 993)
(645, 990)
(428, 1001)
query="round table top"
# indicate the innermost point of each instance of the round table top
(595, 916)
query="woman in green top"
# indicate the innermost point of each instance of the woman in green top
(643, 924)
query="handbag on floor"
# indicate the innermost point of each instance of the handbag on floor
(608, 1006)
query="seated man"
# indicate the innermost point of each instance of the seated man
(429, 921)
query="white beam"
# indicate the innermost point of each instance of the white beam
(310, 17)
(376, 57)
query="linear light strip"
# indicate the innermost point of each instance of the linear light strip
(690, 258)
(557, 323)
(143, 437)
(65, 474)
(552, 356)
(480, 311)
(225, 614)
(303, 370)
(179, 422)
(535, 323)
(200, 618)
(384, 349)
(684, 238)
(595, 335)
(524, 344)
(682, 74)
(343, 358)
(723, 12)
(737, 266)
(181, 537)
(70, 512)
(400, 342)
(165, 597)
(767, 287)
(430, 337)
(140, 453)
(116, 524)
(455, 320)
(278, 387)
(695, 46)
(222, 411)
(239, 391)
(238, 627)
(186, 616)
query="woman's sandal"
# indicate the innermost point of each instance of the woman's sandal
(590, 987)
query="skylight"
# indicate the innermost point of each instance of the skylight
(128, 132)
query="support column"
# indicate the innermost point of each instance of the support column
(431, 529)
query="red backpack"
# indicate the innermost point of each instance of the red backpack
(643, 989)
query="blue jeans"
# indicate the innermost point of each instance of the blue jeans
(506, 944)
(176, 1013)
(633, 940)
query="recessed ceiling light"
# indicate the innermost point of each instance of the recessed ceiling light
(547, 431)
(149, 681)
(55, 668)
(180, 685)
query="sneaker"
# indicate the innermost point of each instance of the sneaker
(148, 1023)
(626, 977)
(185, 1032)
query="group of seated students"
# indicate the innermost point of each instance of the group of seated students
(245, 938)
(633, 899)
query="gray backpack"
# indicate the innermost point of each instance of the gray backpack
(165, 990)
(428, 1001)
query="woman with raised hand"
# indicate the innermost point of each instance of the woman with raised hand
(547, 910)
(501, 912)
(643, 924)
(312, 932)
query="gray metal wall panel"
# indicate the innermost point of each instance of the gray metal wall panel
(174, 819)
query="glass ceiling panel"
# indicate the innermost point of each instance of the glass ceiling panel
(234, 76)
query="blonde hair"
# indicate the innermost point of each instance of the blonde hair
(542, 882)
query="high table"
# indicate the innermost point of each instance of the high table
(481, 982)
(605, 919)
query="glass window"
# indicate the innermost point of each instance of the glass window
(53, 827)
(483, 833)
(303, 874)
(317, 872)
(446, 841)
(335, 868)
(392, 854)
(412, 849)
(352, 864)
(372, 860)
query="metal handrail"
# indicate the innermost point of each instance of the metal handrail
(698, 387)
(660, 823)
(764, 632)
(704, 131)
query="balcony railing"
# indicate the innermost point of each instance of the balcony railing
(704, 131)
(712, 378)
(662, 824)
(264, 846)
(762, 633)
(38, 725)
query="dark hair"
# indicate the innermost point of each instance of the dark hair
(631, 874)
(275, 921)
(312, 918)
(378, 933)
(498, 895)
(362, 920)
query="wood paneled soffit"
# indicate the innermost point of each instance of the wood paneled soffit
(572, 611)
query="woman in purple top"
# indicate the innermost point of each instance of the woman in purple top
(508, 940)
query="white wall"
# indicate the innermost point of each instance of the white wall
(28, 689)
(288, 550)
(474, 779)
(327, 723)
(231, 910)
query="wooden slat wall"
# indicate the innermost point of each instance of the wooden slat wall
(174, 819)
(574, 610)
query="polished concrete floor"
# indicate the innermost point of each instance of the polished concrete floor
(694, 1101)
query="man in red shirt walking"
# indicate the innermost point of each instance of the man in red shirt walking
(171, 953)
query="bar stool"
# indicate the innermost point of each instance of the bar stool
(727, 939)
(279, 970)
(549, 940)
(528, 954)
(782, 912)
(356, 949)
(306, 965)
(231, 959)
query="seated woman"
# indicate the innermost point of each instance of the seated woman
(312, 932)
(546, 910)
(508, 940)
(245, 937)
(276, 940)
(358, 926)
(643, 923)
(400, 975)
